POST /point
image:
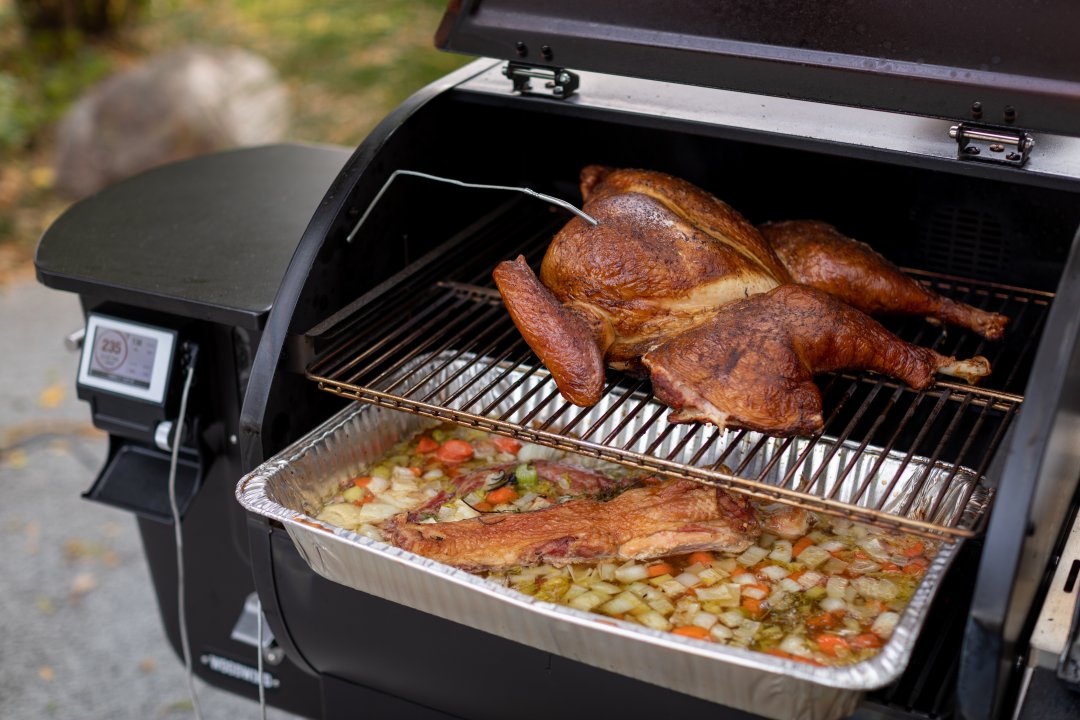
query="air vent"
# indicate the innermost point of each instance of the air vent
(965, 241)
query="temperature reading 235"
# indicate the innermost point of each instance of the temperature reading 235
(123, 357)
(127, 358)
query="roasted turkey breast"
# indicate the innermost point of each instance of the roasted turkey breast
(663, 262)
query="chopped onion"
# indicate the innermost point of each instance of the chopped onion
(607, 571)
(834, 566)
(753, 591)
(790, 585)
(810, 579)
(587, 600)
(748, 629)
(631, 572)
(885, 624)
(703, 619)
(813, 556)
(753, 555)
(720, 632)
(732, 618)
(378, 484)
(401, 474)
(685, 612)
(832, 546)
(605, 587)
(832, 604)
(875, 549)
(530, 452)
(781, 551)
(369, 531)
(711, 576)
(795, 645)
(745, 579)
(861, 567)
(726, 564)
(662, 605)
(836, 586)
(621, 604)
(672, 587)
(875, 588)
(654, 620)
(774, 572)
(723, 593)
(688, 579)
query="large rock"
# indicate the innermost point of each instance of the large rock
(176, 105)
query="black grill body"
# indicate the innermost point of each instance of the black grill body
(924, 209)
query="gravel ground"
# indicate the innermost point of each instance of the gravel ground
(81, 633)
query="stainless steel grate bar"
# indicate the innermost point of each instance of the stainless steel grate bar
(949, 425)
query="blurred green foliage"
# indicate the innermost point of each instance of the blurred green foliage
(347, 64)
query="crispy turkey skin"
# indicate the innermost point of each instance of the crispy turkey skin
(664, 262)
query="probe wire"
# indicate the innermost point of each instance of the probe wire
(460, 183)
(180, 540)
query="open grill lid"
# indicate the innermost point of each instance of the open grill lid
(1018, 60)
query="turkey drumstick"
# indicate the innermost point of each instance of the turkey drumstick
(816, 254)
(754, 363)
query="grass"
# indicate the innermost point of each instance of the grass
(347, 63)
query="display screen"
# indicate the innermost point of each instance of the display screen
(123, 357)
(126, 358)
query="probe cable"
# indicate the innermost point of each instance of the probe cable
(179, 535)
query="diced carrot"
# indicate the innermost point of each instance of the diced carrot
(800, 545)
(483, 506)
(832, 644)
(454, 451)
(692, 631)
(916, 548)
(797, 574)
(660, 568)
(701, 556)
(916, 566)
(417, 472)
(754, 605)
(822, 621)
(866, 640)
(890, 567)
(506, 445)
(503, 495)
(860, 555)
(364, 500)
(361, 481)
(426, 445)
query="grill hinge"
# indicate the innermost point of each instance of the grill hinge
(559, 82)
(987, 143)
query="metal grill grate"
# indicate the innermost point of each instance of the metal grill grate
(449, 351)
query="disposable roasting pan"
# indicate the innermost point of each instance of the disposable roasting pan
(290, 486)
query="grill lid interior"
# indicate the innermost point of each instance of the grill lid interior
(935, 60)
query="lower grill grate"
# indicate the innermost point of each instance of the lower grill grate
(935, 443)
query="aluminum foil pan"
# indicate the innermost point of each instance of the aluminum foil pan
(290, 487)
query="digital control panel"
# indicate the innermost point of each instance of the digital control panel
(127, 358)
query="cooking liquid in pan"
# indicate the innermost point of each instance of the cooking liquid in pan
(830, 596)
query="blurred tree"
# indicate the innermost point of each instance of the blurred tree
(88, 17)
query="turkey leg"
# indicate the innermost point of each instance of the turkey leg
(754, 363)
(816, 254)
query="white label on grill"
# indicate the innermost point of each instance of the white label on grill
(240, 671)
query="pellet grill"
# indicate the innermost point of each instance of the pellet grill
(949, 139)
